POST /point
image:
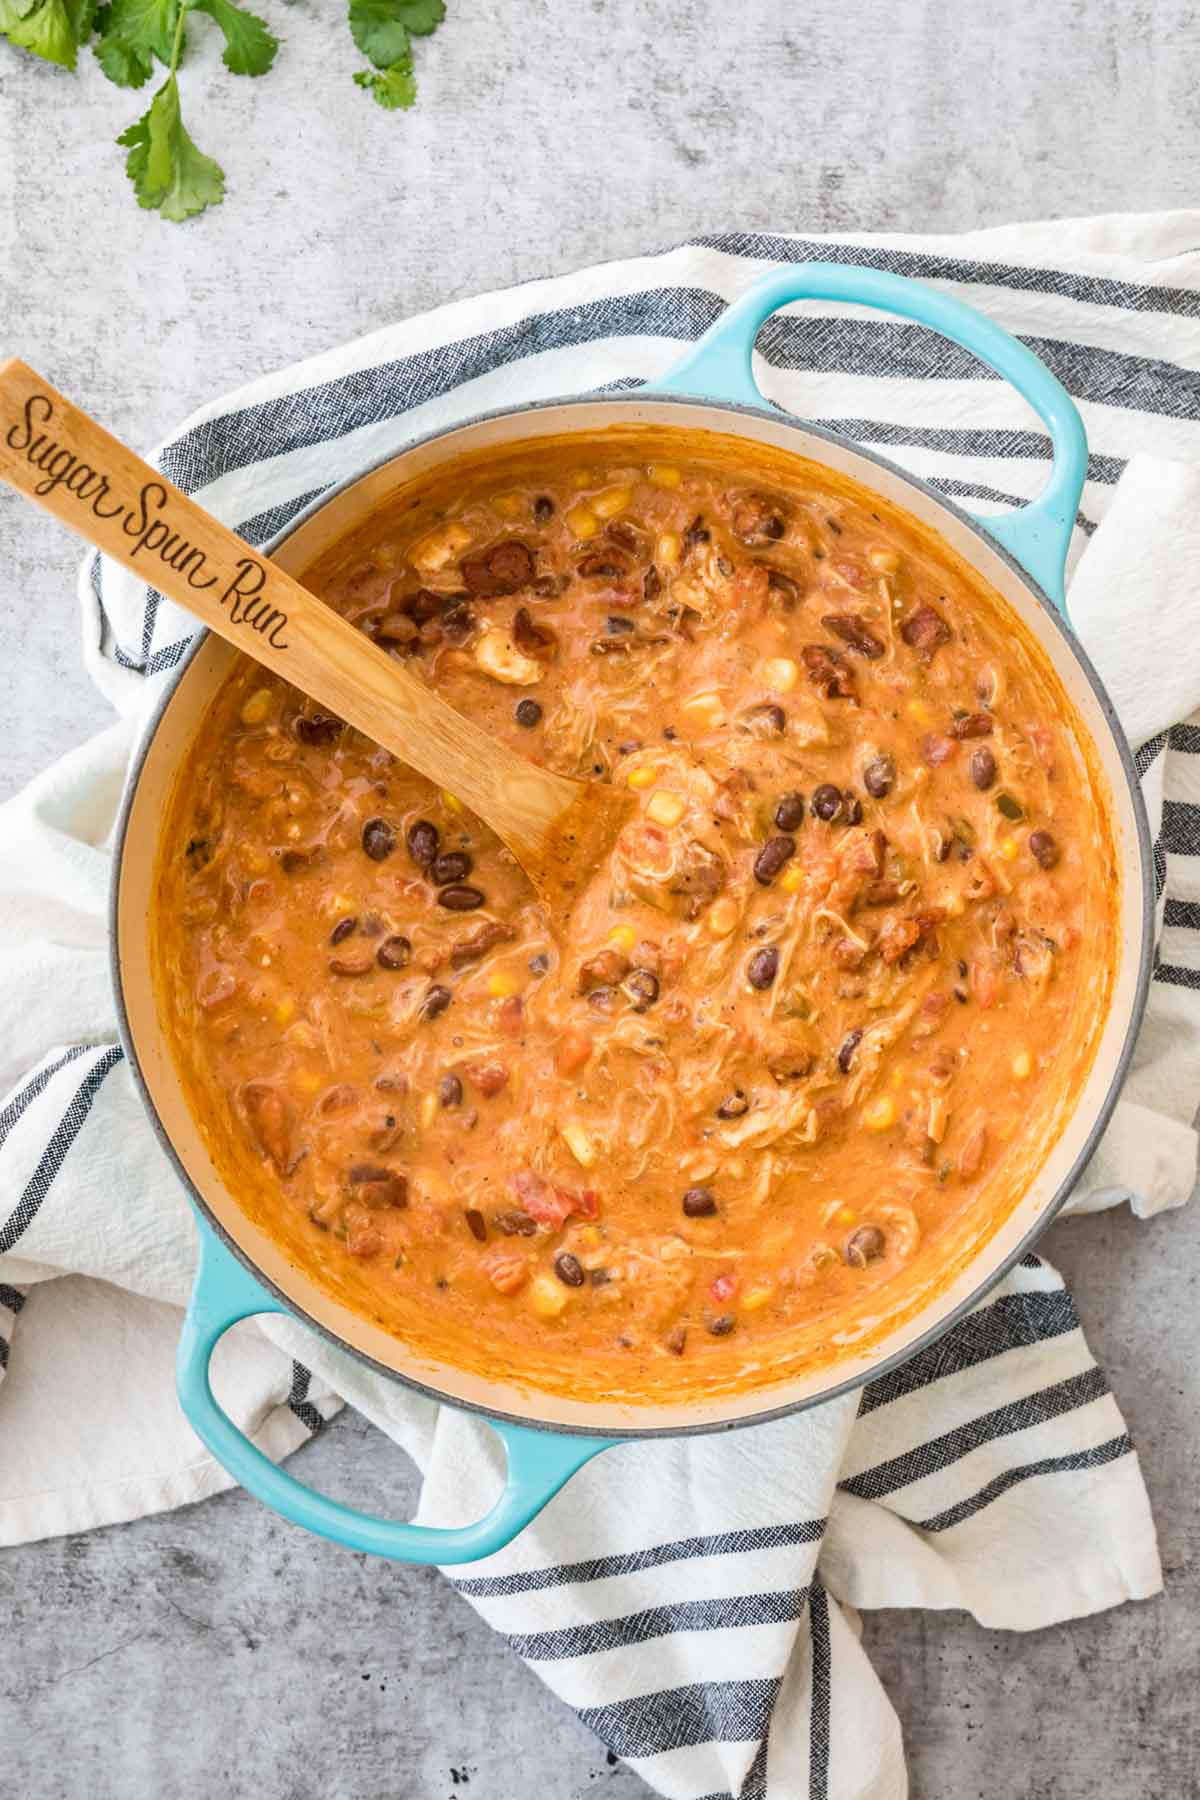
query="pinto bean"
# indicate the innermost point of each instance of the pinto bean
(973, 725)
(828, 672)
(504, 569)
(699, 1203)
(734, 1106)
(268, 1116)
(925, 631)
(864, 1246)
(1043, 849)
(377, 1186)
(982, 768)
(603, 970)
(450, 1091)
(641, 988)
(763, 967)
(879, 776)
(721, 1326)
(757, 519)
(771, 858)
(854, 634)
(484, 938)
(360, 963)
(476, 1224)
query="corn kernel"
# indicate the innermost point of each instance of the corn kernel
(1008, 849)
(880, 1114)
(582, 522)
(1022, 1065)
(590, 1238)
(336, 906)
(503, 985)
(846, 1215)
(667, 548)
(308, 1081)
(623, 936)
(755, 1297)
(611, 502)
(886, 561)
(429, 1107)
(579, 1144)
(665, 808)
(582, 478)
(722, 917)
(955, 906)
(735, 1168)
(256, 708)
(704, 709)
(792, 880)
(254, 860)
(440, 547)
(779, 673)
(664, 475)
(507, 505)
(451, 802)
(547, 1296)
(642, 778)
(285, 1010)
(920, 712)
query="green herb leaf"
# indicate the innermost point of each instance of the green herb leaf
(381, 28)
(133, 33)
(392, 88)
(51, 29)
(249, 47)
(170, 176)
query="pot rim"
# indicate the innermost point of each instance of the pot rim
(897, 1358)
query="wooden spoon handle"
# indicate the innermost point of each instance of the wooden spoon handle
(55, 454)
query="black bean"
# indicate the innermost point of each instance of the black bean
(767, 720)
(865, 1245)
(616, 626)
(771, 858)
(826, 802)
(602, 998)
(450, 1091)
(734, 1105)
(879, 776)
(789, 814)
(476, 1223)
(378, 839)
(458, 897)
(852, 807)
(516, 1224)
(317, 728)
(539, 964)
(543, 509)
(451, 865)
(641, 988)
(599, 1277)
(569, 1269)
(850, 1043)
(1010, 807)
(395, 952)
(720, 1326)
(423, 842)
(528, 713)
(699, 1203)
(435, 1002)
(1043, 849)
(342, 930)
(372, 925)
(651, 584)
(762, 968)
(982, 766)
(458, 624)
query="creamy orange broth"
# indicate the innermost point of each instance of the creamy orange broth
(808, 1033)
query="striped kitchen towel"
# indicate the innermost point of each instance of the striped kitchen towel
(695, 1601)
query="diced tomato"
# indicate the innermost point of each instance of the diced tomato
(724, 1285)
(589, 1204)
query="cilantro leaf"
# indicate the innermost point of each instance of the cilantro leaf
(51, 29)
(132, 34)
(249, 47)
(392, 88)
(170, 176)
(381, 28)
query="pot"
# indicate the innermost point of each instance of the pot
(242, 1272)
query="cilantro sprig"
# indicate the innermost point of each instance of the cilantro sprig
(169, 173)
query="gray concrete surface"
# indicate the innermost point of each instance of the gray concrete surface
(213, 1652)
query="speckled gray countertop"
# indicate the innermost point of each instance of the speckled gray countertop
(214, 1651)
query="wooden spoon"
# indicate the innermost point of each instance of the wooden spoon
(52, 453)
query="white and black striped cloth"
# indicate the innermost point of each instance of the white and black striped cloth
(693, 1601)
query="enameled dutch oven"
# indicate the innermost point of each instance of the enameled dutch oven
(242, 1272)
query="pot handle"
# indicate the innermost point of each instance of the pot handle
(539, 1462)
(1038, 535)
